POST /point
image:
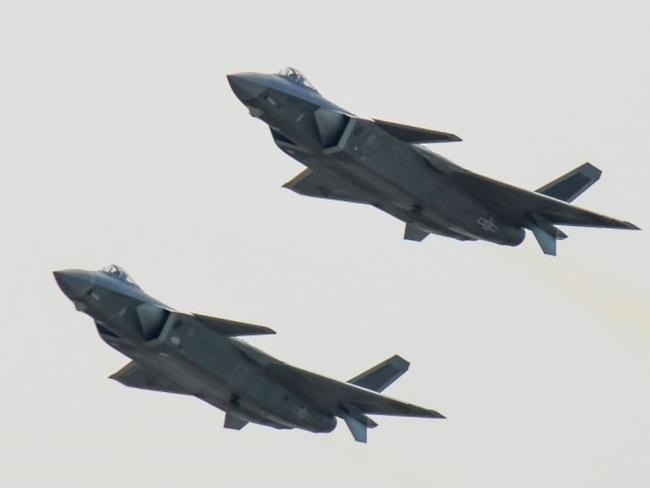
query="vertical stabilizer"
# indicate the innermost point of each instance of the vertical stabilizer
(379, 377)
(358, 429)
(546, 234)
(573, 184)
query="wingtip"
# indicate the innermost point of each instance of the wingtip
(593, 171)
(631, 226)
(266, 331)
(448, 137)
(404, 362)
(433, 414)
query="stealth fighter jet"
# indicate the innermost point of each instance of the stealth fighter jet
(192, 354)
(385, 164)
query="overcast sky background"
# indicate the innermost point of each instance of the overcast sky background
(122, 142)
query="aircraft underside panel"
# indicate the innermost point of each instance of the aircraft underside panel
(414, 232)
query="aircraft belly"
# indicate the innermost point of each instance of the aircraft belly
(398, 179)
(211, 390)
(210, 367)
(194, 380)
(425, 210)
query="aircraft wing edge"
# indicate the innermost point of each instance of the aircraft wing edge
(232, 328)
(135, 375)
(333, 394)
(415, 135)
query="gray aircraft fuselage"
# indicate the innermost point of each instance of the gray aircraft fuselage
(383, 164)
(196, 355)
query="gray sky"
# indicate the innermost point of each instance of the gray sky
(122, 142)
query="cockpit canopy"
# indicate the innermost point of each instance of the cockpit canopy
(118, 272)
(295, 76)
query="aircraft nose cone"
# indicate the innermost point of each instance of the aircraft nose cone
(74, 283)
(245, 86)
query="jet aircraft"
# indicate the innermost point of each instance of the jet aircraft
(386, 165)
(202, 356)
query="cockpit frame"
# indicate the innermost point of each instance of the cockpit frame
(118, 272)
(294, 75)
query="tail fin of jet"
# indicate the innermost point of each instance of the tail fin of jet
(359, 424)
(380, 377)
(377, 378)
(355, 400)
(536, 211)
(567, 188)
(573, 184)
(546, 234)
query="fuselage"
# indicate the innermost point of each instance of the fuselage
(223, 371)
(379, 169)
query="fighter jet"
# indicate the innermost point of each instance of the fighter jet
(192, 354)
(386, 165)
